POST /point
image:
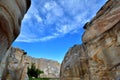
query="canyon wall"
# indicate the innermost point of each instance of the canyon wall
(98, 57)
(13, 61)
(11, 15)
(17, 63)
(50, 68)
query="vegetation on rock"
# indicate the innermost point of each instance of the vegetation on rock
(34, 72)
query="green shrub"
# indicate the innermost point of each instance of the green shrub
(34, 72)
(42, 79)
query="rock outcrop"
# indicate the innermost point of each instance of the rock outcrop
(11, 14)
(98, 58)
(74, 64)
(17, 63)
(50, 68)
(10, 21)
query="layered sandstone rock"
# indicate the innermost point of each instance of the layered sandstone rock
(11, 14)
(17, 63)
(98, 58)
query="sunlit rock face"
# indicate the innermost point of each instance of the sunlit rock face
(98, 58)
(16, 65)
(17, 62)
(75, 63)
(11, 15)
(50, 68)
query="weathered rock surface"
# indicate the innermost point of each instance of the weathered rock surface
(51, 68)
(10, 20)
(11, 14)
(75, 63)
(98, 58)
(17, 63)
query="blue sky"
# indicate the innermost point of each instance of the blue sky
(51, 27)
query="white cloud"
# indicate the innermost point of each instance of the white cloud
(63, 29)
(33, 39)
(49, 19)
(49, 5)
(38, 18)
(48, 37)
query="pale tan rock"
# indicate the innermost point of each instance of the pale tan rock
(14, 65)
(17, 63)
(3, 64)
(105, 19)
(75, 65)
(50, 68)
(98, 58)
(11, 15)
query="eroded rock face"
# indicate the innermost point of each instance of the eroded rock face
(98, 58)
(11, 14)
(17, 63)
(106, 18)
(75, 63)
(50, 68)
(13, 72)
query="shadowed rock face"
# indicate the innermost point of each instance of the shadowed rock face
(98, 58)
(11, 15)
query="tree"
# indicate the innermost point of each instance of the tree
(34, 72)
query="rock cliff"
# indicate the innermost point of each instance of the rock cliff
(17, 63)
(50, 68)
(98, 57)
(11, 15)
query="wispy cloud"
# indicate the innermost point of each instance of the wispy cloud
(49, 19)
